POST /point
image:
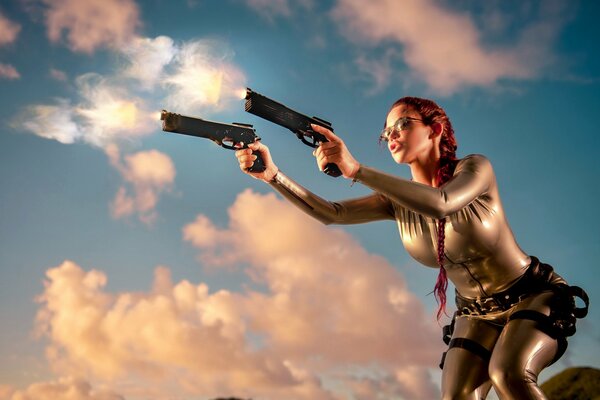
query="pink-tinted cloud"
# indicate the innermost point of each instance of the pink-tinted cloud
(366, 286)
(6, 392)
(58, 75)
(9, 30)
(175, 334)
(444, 48)
(147, 174)
(8, 71)
(91, 24)
(327, 310)
(66, 388)
(409, 383)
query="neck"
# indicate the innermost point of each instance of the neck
(423, 168)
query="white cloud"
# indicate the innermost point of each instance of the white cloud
(92, 24)
(52, 122)
(8, 71)
(106, 113)
(9, 30)
(327, 309)
(147, 58)
(443, 47)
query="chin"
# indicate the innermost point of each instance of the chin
(398, 158)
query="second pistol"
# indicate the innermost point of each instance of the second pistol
(230, 136)
(299, 124)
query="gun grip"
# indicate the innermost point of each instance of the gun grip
(332, 170)
(259, 164)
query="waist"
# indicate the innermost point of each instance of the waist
(536, 278)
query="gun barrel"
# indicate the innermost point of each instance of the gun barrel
(280, 114)
(225, 135)
(191, 126)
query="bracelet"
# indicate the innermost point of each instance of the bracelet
(355, 179)
(274, 179)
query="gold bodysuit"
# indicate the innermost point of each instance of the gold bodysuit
(482, 258)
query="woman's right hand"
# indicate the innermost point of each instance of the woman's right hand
(246, 160)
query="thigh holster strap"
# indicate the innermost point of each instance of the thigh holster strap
(469, 345)
(550, 326)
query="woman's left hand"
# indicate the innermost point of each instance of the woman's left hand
(335, 151)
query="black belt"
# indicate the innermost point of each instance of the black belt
(535, 279)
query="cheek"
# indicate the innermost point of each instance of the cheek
(417, 140)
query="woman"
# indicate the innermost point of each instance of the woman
(513, 311)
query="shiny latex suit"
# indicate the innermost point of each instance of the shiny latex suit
(481, 258)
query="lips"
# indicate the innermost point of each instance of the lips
(395, 146)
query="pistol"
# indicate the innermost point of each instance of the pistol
(299, 124)
(230, 136)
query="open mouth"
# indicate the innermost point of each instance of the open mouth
(395, 146)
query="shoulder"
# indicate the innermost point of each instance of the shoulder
(476, 165)
(474, 162)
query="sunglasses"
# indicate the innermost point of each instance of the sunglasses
(400, 125)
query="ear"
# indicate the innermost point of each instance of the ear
(436, 129)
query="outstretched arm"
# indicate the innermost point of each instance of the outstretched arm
(472, 178)
(352, 211)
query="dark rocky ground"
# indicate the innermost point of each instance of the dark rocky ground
(582, 383)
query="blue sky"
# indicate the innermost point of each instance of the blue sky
(111, 230)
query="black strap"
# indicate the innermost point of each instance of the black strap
(443, 360)
(547, 325)
(544, 322)
(469, 345)
(576, 291)
(448, 330)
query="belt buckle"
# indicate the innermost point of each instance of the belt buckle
(487, 304)
(468, 311)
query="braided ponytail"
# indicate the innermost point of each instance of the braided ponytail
(432, 113)
(446, 167)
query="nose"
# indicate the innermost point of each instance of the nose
(394, 134)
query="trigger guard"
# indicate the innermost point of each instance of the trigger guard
(303, 135)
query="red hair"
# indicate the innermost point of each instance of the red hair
(432, 113)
